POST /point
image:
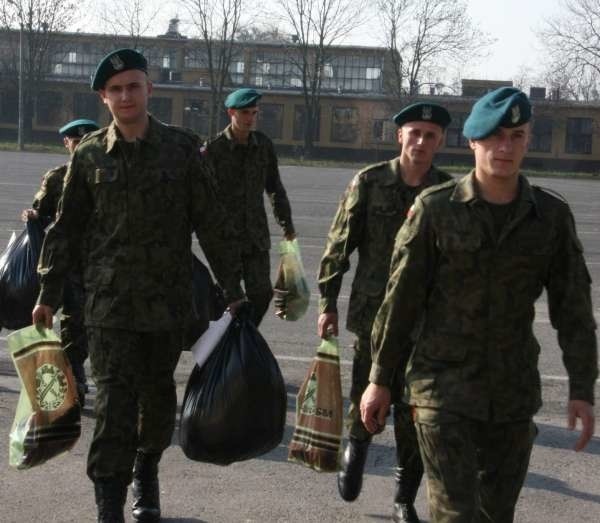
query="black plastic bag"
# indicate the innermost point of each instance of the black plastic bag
(208, 303)
(235, 405)
(19, 282)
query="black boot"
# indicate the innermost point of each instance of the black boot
(407, 485)
(110, 499)
(146, 495)
(349, 477)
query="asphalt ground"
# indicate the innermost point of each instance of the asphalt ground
(561, 485)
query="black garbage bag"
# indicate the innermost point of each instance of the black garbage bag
(235, 405)
(208, 302)
(19, 282)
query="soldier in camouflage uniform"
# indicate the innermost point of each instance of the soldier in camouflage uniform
(468, 266)
(45, 205)
(134, 193)
(244, 163)
(370, 214)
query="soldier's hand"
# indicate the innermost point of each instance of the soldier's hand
(584, 411)
(280, 297)
(374, 407)
(234, 306)
(42, 315)
(290, 236)
(327, 324)
(29, 214)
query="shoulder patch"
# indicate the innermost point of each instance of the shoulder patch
(371, 171)
(550, 192)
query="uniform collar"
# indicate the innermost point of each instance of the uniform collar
(152, 137)
(228, 133)
(394, 174)
(466, 192)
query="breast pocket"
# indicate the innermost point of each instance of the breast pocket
(460, 249)
(106, 190)
(384, 222)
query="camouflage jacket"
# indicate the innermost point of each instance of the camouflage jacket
(476, 354)
(243, 173)
(127, 213)
(370, 214)
(46, 199)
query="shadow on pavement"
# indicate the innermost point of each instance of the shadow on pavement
(561, 438)
(183, 520)
(540, 482)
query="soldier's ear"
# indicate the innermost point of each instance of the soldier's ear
(399, 135)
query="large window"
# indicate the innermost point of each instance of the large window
(270, 120)
(9, 106)
(49, 108)
(578, 139)
(344, 124)
(383, 130)
(85, 105)
(78, 60)
(161, 108)
(300, 122)
(195, 116)
(454, 134)
(353, 73)
(272, 69)
(541, 135)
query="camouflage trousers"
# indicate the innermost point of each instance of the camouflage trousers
(475, 469)
(407, 449)
(256, 274)
(136, 400)
(72, 330)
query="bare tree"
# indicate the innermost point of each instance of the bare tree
(39, 20)
(217, 23)
(572, 42)
(423, 36)
(133, 18)
(316, 26)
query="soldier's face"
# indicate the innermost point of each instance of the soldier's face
(501, 154)
(126, 96)
(243, 120)
(419, 141)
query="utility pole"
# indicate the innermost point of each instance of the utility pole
(21, 108)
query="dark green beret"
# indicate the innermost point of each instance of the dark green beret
(242, 98)
(116, 62)
(504, 107)
(77, 128)
(423, 112)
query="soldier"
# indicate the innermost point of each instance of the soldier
(244, 163)
(468, 265)
(45, 205)
(369, 216)
(133, 194)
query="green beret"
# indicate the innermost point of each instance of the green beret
(504, 107)
(77, 128)
(242, 98)
(423, 112)
(116, 62)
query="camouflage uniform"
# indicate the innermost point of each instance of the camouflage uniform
(473, 374)
(72, 330)
(127, 214)
(370, 214)
(243, 173)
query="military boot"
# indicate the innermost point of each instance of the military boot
(146, 495)
(349, 477)
(110, 500)
(407, 484)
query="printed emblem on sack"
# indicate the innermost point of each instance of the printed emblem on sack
(515, 114)
(309, 403)
(50, 387)
(427, 112)
(116, 62)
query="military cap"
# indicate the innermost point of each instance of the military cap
(423, 112)
(116, 62)
(77, 128)
(242, 98)
(503, 107)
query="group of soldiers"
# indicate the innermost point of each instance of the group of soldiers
(442, 300)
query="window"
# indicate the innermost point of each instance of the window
(49, 108)
(300, 122)
(166, 62)
(85, 105)
(454, 135)
(270, 120)
(578, 138)
(75, 60)
(161, 108)
(195, 116)
(383, 130)
(344, 124)
(9, 106)
(541, 135)
(72, 57)
(373, 73)
(273, 69)
(354, 73)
